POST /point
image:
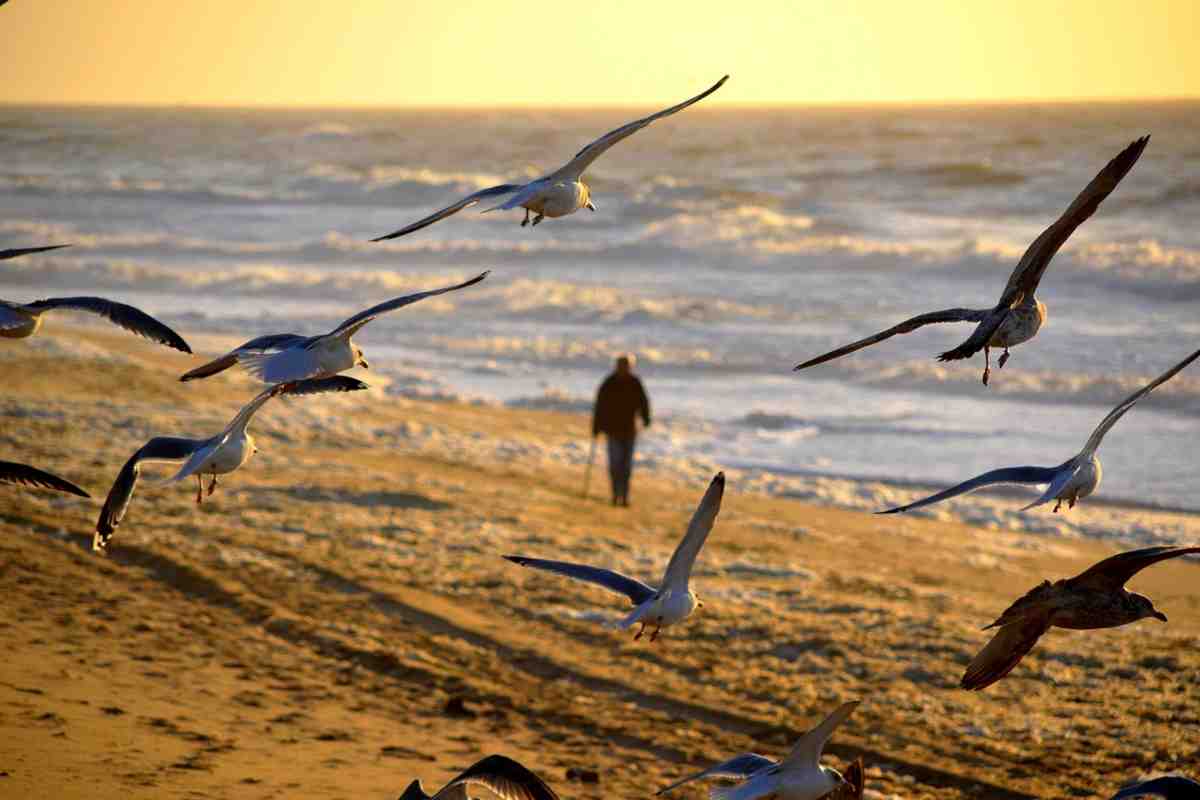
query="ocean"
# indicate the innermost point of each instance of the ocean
(728, 246)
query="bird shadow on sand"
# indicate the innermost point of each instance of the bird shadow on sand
(409, 500)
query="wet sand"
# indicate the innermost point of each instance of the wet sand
(336, 619)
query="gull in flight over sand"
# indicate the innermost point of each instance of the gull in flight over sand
(1171, 787)
(1071, 480)
(671, 603)
(25, 475)
(500, 775)
(22, 320)
(1019, 315)
(217, 455)
(560, 193)
(285, 357)
(799, 776)
(1095, 598)
(25, 251)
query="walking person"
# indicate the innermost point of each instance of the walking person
(619, 401)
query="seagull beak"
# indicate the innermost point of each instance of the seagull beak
(363, 363)
(1161, 617)
(590, 206)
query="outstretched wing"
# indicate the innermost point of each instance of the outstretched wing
(679, 569)
(1003, 652)
(273, 342)
(504, 777)
(128, 317)
(635, 590)
(25, 475)
(1171, 787)
(1024, 475)
(350, 326)
(584, 158)
(25, 251)
(738, 767)
(1106, 424)
(908, 326)
(160, 448)
(1115, 571)
(806, 753)
(1029, 270)
(466, 202)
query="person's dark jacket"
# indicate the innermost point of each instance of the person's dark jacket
(620, 399)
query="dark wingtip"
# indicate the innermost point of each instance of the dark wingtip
(896, 510)
(515, 559)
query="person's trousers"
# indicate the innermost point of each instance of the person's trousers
(620, 466)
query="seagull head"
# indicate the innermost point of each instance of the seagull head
(1145, 608)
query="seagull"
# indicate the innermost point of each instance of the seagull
(286, 357)
(1171, 787)
(22, 320)
(217, 455)
(799, 776)
(25, 475)
(1071, 480)
(1019, 314)
(671, 603)
(500, 775)
(1095, 598)
(16, 252)
(560, 193)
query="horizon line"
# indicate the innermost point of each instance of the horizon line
(731, 106)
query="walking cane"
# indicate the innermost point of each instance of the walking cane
(587, 473)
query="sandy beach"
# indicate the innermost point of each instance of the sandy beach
(336, 620)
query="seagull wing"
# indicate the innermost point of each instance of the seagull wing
(635, 590)
(128, 317)
(270, 343)
(25, 475)
(806, 753)
(1027, 475)
(466, 202)
(739, 767)
(1093, 442)
(160, 448)
(908, 326)
(1171, 787)
(351, 326)
(1029, 270)
(13, 316)
(25, 251)
(679, 569)
(1003, 652)
(584, 158)
(1115, 571)
(504, 777)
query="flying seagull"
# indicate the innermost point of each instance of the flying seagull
(1095, 598)
(1171, 787)
(1071, 480)
(672, 602)
(498, 774)
(559, 193)
(1019, 314)
(22, 320)
(25, 475)
(799, 776)
(217, 455)
(25, 251)
(285, 357)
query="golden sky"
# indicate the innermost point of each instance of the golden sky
(610, 52)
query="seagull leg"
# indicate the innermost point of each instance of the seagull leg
(212, 487)
(987, 364)
(1058, 505)
(538, 219)
(525, 221)
(657, 628)
(641, 630)
(199, 489)
(1072, 500)
(1003, 359)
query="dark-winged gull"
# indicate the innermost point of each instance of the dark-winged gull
(283, 357)
(22, 320)
(1071, 480)
(1019, 314)
(563, 191)
(25, 475)
(500, 775)
(799, 776)
(217, 455)
(1095, 598)
(673, 601)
